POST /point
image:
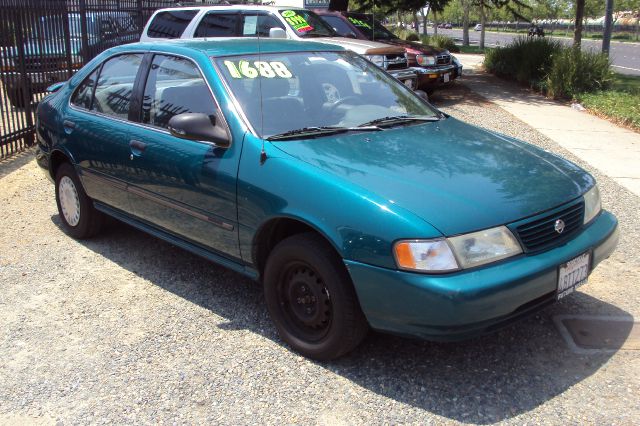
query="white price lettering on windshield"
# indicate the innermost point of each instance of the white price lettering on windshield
(244, 69)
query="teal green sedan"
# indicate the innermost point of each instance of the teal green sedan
(353, 201)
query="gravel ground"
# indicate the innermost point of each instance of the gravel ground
(125, 328)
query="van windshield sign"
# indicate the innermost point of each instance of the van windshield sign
(359, 23)
(246, 69)
(296, 21)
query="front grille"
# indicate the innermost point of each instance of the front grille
(540, 233)
(395, 61)
(443, 59)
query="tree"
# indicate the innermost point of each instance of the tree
(577, 33)
(608, 27)
(513, 7)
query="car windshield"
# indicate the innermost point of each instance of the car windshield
(285, 92)
(307, 24)
(373, 29)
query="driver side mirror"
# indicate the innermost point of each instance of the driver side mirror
(197, 126)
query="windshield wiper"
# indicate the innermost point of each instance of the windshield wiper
(399, 119)
(312, 132)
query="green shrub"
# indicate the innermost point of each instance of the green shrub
(575, 71)
(526, 60)
(406, 34)
(442, 42)
(412, 37)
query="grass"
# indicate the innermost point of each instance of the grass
(621, 103)
(472, 49)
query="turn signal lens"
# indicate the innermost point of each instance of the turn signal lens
(425, 255)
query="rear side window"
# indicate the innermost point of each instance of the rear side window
(82, 96)
(115, 85)
(174, 86)
(170, 24)
(218, 25)
(259, 25)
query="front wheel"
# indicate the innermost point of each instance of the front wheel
(311, 299)
(79, 217)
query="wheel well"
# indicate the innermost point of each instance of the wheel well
(57, 158)
(274, 231)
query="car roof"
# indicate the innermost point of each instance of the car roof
(232, 7)
(229, 46)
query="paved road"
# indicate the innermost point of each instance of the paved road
(625, 56)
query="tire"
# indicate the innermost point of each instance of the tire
(79, 218)
(311, 299)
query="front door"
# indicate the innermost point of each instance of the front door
(185, 187)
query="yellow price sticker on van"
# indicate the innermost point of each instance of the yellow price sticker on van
(246, 69)
(296, 21)
(359, 23)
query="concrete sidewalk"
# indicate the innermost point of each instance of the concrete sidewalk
(613, 150)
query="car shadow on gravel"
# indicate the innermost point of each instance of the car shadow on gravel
(483, 380)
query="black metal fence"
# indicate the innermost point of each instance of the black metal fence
(46, 41)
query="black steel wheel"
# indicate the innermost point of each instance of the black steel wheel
(79, 217)
(311, 298)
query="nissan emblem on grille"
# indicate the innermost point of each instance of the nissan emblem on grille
(559, 226)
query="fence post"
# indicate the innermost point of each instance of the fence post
(67, 38)
(26, 88)
(84, 30)
(140, 17)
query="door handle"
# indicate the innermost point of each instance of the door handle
(137, 147)
(68, 126)
(140, 146)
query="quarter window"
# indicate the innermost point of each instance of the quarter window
(115, 85)
(174, 86)
(170, 24)
(82, 96)
(218, 25)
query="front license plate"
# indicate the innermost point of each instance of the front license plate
(446, 77)
(572, 275)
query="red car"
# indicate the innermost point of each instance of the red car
(435, 67)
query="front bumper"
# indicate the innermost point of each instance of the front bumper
(437, 76)
(407, 76)
(477, 301)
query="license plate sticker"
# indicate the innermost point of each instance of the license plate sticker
(446, 78)
(572, 275)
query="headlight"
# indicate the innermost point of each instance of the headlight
(485, 246)
(463, 251)
(376, 59)
(425, 60)
(592, 204)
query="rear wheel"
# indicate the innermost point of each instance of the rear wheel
(79, 217)
(311, 298)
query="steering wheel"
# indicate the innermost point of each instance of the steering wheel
(342, 101)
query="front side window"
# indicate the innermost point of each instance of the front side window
(174, 86)
(170, 24)
(83, 94)
(115, 85)
(307, 24)
(218, 25)
(290, 91)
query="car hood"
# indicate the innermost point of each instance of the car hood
(424, 48)
(361, 46)
(457, 177)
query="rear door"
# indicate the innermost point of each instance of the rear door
(97, 128)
